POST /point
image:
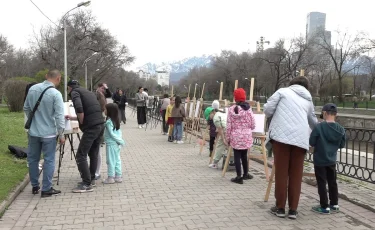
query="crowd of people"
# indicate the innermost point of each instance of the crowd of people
(289, 136)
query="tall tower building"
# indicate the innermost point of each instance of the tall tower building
(316, 23)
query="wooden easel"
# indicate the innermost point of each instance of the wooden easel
(190, 116)
(197, 115)
(261, 136)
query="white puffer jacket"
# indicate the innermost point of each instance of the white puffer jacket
(293, 116)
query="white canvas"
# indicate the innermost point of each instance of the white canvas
(197, 109)
(259, 123)
(191, 109)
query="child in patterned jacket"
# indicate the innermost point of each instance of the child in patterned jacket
(240, 125)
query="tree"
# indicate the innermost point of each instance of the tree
(346, 47)
(369, 66)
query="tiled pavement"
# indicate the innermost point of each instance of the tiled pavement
(169, 186)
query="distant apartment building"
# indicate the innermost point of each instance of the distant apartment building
(144, 75)
(316, 26)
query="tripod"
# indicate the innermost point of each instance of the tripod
(153, 114)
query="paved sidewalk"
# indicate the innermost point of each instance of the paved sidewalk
(169, 186)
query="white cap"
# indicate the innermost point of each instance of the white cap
(215, 104)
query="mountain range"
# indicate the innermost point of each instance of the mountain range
(178, 69)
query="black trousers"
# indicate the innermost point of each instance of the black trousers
(241, 155)
(324, 175)
(141, 115)
(212, 142)
(89, 146)
(122, 114)
(165, 124)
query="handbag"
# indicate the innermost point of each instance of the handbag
(32, 113)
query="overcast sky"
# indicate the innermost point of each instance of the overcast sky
(167, 30)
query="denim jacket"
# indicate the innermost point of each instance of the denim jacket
(111, 136)
(49, 118)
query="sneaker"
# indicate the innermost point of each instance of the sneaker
(248, 177)
(320, 210)
(175, 142)
(140, 126)
(237, 180)
(35, 190)
(118, 179)
(109, 180)
(50, 192)
(97, 177)
(334, 208)
(93, 183)
(82, 188)
(213, 166)
(292, 214)
(180, 142)
(279, 212)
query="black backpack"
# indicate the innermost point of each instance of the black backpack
(18, 151)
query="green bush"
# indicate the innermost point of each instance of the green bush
(15, 92)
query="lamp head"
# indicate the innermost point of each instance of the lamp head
(84, 4)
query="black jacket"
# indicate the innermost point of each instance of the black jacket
(120, 100)
(85, 102)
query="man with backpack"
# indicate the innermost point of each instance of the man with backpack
(44, 108)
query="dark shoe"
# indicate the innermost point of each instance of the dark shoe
(279, 212)
(237, 180)
(247, 177)
(35, 190)
(170, 139)
(82, 188)
(334, 208)
(93, 183)
(320, 210)
(292, 214)
(50, 192)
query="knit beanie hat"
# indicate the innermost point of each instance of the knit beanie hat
(207, 112)
(239, 95)
(215, 104)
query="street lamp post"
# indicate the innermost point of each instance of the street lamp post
(65, 50)
(85, 64)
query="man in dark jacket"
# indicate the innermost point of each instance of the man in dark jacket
(91, 122)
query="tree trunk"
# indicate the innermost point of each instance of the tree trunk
(340, 89)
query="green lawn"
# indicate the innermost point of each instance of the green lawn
(12, 170)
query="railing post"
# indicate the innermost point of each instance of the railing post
(366, 104)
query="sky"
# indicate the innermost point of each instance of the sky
(169, 30)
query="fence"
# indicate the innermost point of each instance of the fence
(355, 160)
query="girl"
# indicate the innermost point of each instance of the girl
(240, 125)
(169, 119)
(164, 105)
(113, 140)
(178, 114)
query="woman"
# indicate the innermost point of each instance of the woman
(164, 104)
(178, 114)
(121, 101)
(293, 116)
(141, 107)
(240, 125)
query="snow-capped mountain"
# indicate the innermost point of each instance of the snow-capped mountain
(177, 68)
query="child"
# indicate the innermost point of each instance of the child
(113, 140)
(327, 138)
(220, 122)
(178, 114)
(210, 122)
(168, 118)
(240, 125)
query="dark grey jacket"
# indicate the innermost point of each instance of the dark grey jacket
(85, 102)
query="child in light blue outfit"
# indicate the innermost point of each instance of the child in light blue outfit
(113, 140)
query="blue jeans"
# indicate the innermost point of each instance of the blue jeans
(37, 145)
(177, 131)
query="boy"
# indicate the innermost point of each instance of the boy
(220, 121)
(212, 132)
(327, 137)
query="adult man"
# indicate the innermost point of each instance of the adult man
(102, 92)
(48, 121)
(91, 122)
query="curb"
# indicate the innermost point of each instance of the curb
(6, 203)
(341, 195)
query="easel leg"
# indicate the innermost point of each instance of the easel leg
(263, 140)
(227, 162)
(267, 196)
(203, 141)
(61, 155)
(213, 151)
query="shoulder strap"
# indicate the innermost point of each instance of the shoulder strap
(40, 98)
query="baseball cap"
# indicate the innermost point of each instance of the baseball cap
(330, 107)
(207, 112)
(73, 83)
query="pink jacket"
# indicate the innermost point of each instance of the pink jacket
(240, 127)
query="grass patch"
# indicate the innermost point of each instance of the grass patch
(12, 170)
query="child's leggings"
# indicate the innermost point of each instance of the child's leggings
(220, 149)
(113, 161)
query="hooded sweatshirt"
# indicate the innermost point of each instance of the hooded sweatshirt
(326, 139)
(240, 126)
